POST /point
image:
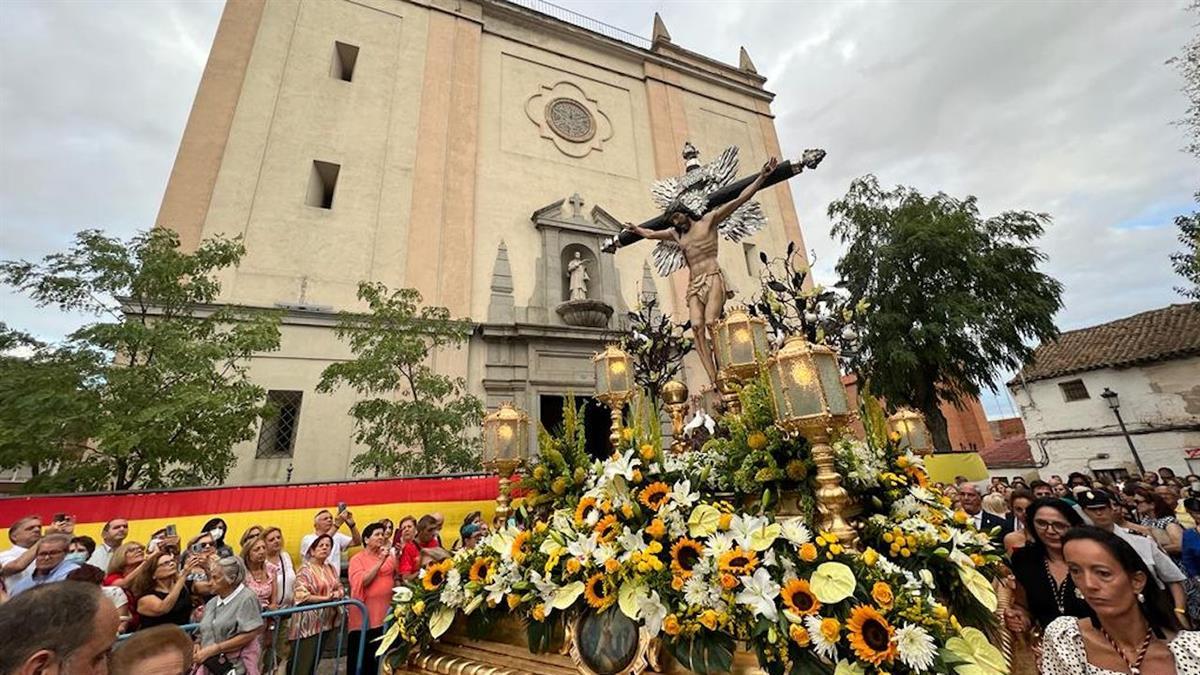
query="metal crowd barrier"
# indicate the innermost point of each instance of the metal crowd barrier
(271, 656)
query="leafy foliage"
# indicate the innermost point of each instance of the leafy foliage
(704, 652)
(657, 346)
(415, 420)
(1187, 261)
(955, 297)
(790, 307)
(155, 396)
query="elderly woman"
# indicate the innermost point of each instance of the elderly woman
(127, 559)
(232, 623)
(317, 582)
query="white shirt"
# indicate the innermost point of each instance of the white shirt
(11, 555)
(101, 556)
(218, 600)
(341, 542)
(1160, 564)
(117, 595)
(1064, 653)
(285, 580)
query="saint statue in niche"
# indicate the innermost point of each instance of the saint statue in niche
(577, 284)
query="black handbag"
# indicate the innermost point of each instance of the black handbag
(220, 665)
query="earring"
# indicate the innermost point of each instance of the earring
(1141, 598)
(1078, 594)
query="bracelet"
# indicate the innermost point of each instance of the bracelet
(1180, 610)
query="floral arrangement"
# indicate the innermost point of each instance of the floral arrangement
(636, 535)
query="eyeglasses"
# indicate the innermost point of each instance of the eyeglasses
(205, 544)
(1051, 525)
(51, 554)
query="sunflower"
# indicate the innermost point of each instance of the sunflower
(655, 495)
(518, 546)
(799, 597)
(582, 510)
(595, 591)
(481, 570)
(684, 556)
(607, 529)
(435, 575)
(738, 561)
(871, 635)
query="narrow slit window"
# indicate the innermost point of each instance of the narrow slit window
(344, 58)
(322, 183)
(750, 251)
(277, 435)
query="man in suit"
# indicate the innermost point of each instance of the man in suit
(972, 503)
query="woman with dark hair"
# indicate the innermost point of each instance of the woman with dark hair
(317, 582)
(1132, 629)
(1157, 520)
(216, 528)
(372, 576)
(1044, 590)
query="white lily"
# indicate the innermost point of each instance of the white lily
(700, 419)
(652, 612)
(546, 588)
(622, 466)
(631, 542)
(759, 594)
(682, 495)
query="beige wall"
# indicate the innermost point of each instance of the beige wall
(440, 162)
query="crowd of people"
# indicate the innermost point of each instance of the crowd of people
(64, 599)
(1105, 578)
(1105, 572)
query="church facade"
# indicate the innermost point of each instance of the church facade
(471, 149)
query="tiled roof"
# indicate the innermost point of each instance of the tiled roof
(1158, 335)
(1009, 453)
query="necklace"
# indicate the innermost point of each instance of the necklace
(1135, 666)
(1058, 590)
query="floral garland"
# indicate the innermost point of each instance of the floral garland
(634, 535)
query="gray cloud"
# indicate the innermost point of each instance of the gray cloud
(1058, 107)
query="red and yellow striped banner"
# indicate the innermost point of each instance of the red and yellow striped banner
(289, 507)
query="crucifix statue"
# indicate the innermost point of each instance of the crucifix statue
(697, 207)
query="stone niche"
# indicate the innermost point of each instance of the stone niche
(538, 352)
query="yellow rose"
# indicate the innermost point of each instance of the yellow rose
(671, 624)
(656, 528)
(647, 452)
(961, 517)
(808, 552)
(799, 635)
(708, 619)
(881, 593)
(728, 582)
(573, 565)
(830, 628)
(418, 607)
(677, 583)
(870, 557)
(513, 600)
(611, 565)
(539, 613)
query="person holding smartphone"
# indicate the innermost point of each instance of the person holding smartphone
(372, 576)
(324, 523)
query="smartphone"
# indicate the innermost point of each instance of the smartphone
(169, 531)
(60, 518)
(341, 507)
(197, 548)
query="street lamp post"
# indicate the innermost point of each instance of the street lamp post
(1114, 404)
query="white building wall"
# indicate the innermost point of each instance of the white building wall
(1160, 404)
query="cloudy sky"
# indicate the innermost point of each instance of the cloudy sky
(1061, 107)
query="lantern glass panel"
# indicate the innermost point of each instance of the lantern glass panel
(618, 375)
(917, 437)
(506, 440)
(778, 393)
(831, 383)
(803, 387)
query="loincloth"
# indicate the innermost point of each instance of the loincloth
(699, 285)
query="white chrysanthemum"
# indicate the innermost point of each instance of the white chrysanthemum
(915, 647)
(700, 591)
(796, 532)
(719, 543)
(452, 591)
(820, 645)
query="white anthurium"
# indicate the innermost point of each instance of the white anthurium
(566, 596)
(962, 559)
(551, 547)
(796, 532)
(759, 593)
(563, 522)
(652, 612)
(501, 542)
(473, 604)
(755, 533)
(401, 594)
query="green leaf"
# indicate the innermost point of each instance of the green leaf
(706, 652)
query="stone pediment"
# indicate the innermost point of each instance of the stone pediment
(567, 214)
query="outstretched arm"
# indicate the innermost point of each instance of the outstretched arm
(722, 212)
(662, 235)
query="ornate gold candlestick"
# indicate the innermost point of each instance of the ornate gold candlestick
(675, 396)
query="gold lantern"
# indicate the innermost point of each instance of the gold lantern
(614, 384)
(740, 343)
(675, 395)
(809, 399)
(910, 426)
(505, 446)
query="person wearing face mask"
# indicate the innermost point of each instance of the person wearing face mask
(1132, 628)
(81, 549)
(216, 528)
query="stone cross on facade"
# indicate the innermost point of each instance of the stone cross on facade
(576, 203)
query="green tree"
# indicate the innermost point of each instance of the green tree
(955, 297)
(153, 394)
(1187, 262)
(414, 419)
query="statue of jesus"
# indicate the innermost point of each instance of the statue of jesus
(696, 236)
(577, 284)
